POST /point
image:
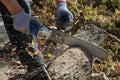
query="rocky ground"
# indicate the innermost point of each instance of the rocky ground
(72, 64)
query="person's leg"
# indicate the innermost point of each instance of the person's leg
(18, 39)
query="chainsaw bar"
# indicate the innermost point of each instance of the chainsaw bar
(61, 37)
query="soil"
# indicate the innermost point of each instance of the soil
(10, 67)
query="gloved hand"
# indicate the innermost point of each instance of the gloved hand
(21, 22)
(64, 16)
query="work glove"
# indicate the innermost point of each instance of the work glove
(30, 25)
(64, 16)
(21, 22)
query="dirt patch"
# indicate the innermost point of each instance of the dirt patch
(10, 67)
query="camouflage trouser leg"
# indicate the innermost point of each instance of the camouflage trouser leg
(18, 39)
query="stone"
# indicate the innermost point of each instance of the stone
(72, 64)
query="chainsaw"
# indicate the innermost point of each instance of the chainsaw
(60, 36)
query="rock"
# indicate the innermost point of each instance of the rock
(90, 33)
(72, 64)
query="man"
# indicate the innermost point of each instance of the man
(18, 27)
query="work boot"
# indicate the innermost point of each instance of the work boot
(35, 63)
(39, 73)
(37, 69)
